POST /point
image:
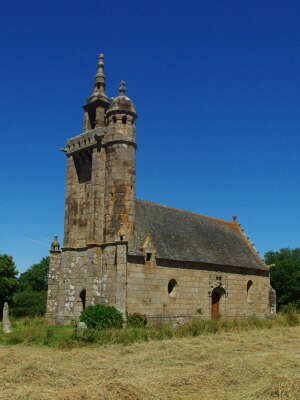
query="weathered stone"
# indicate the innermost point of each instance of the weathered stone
(6, 325)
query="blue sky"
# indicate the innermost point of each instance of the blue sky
(217, 89)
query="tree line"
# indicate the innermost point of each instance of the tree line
(27, 293)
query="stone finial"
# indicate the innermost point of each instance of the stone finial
(122, 88)
(99, 89)
(100, 76)
(5, 320)
(234, 217)
(55, 246)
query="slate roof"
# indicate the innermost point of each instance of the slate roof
(185, 236)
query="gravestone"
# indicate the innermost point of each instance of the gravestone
(6, 325)
(81, 327)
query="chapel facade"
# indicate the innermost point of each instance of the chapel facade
(138, 256)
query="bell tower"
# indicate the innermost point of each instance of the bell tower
(99, 207)
(101, 170)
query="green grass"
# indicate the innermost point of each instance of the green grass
(34, 332)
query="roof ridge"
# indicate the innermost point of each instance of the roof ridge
(232, 224)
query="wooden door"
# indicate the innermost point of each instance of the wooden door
(215, 309)
(216, 295)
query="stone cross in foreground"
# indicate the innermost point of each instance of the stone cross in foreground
(6, 325)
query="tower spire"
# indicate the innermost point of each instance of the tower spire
(99, 90)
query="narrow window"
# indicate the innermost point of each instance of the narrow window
(148, 256)
(124, 119)
(249, 290)
(172, 287)
(82, 296)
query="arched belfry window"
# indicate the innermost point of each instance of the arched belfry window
(249, 290)
(82, 296)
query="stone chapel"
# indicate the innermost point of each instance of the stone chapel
(138, 256)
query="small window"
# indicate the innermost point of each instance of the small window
(172, 287)
(124, 119)
(114, 119)
(121, 237)
(148, 256)
(249, 290)
(82, 296)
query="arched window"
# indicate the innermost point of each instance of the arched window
(249, 290)
(82, 296)
(172, 287)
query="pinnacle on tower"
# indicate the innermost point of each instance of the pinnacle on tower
(99, 90)
(122, 88)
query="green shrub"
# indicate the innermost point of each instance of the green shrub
(136, 320)
(101, 317)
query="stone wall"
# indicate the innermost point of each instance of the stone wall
(106, 276)
(99, 272)
(147, 292)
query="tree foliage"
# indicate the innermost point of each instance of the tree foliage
(31, 296)
(29, 303)
(36, 277)
(8, 279)
(285, 275)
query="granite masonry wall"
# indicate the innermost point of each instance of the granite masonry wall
(97, 273)
(147, 293)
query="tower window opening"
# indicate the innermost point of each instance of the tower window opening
(148, 256)
(124, 119)
(92, 118)
(172, 287)
(83, 165)
(114, 119)
(82, 296)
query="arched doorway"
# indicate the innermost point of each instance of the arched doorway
(216, 295)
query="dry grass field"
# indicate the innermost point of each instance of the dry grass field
(258, 364)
